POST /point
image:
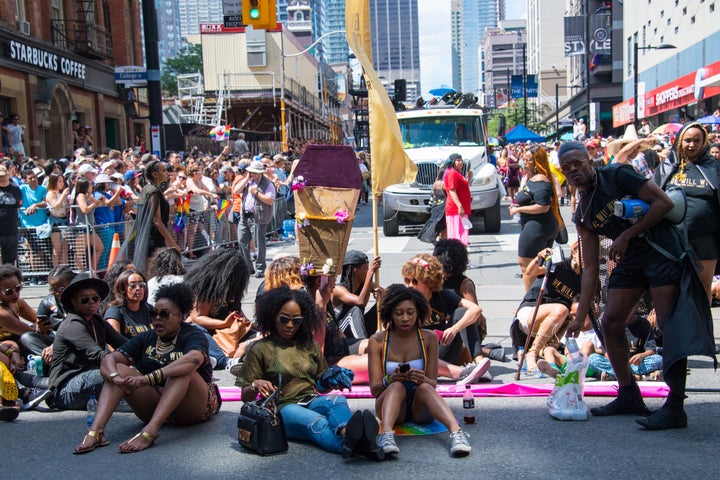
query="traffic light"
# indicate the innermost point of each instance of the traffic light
(259, 13)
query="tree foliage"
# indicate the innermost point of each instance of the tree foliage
(189, 60)
(514, 115)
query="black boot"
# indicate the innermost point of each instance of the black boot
(367, 446)
(628, 402)
(672, 414)
(353, 434)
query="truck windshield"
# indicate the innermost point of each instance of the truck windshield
(441, 131)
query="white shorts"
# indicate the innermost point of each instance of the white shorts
(524, 315)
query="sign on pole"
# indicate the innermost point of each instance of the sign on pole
(155, 140)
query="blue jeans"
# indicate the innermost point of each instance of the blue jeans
(318, 422)
(649, 364)
(76, 392)
(214, 349)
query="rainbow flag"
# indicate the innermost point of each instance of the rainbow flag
(183, 209)
(220, 133)
(222, 207)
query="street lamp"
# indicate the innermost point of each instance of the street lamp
(283, 129)
(636, 48)
(557, 105)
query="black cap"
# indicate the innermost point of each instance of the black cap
(355, 257)
(83, 280)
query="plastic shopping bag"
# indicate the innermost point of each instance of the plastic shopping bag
(566, 399)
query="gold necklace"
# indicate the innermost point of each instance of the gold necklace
(589, 205)
(163, 348)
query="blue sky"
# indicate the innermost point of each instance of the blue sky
(434, 25)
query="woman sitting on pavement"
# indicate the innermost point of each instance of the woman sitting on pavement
(164, 374)
(166, 268)
(129, 312)
(453, 257)
(80, 345)
(351, 295)
(288, 358)
(403, 370)
(452, 317)
(15, 312)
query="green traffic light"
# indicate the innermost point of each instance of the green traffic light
(255, 13)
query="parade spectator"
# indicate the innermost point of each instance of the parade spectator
(287, 358)
(258, 198)
(240, 147)
(34, 219)
(351, 295)
(199, 205)
(16, 136)
(87, 244)
(58, 207)
(639, 267)
(403, 365)
(80, 345)
(166, 268)
(128, 312)
(105, 215)
(458, 203)
(164, 375)
(537, 205)
(16, 315)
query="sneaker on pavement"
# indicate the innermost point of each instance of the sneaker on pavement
(546, 367)
(459, 444)
(472, 371)
(35, 397)
(386, 441)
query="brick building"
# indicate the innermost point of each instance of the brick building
(57, 65)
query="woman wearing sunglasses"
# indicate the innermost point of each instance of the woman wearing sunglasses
(80, 344)
(164, 374)
(288, 358)
(128, 312)
(14, 311)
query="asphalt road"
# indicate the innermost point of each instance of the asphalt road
(513, 437)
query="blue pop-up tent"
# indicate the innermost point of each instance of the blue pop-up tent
(522, 134)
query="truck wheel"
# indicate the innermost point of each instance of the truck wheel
(390, 221)
(492, 218)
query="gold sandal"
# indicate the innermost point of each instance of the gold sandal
(99, 438)
(148, 437)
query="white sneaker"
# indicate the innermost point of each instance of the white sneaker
(472, 371)
(459, 444)
(386, 441)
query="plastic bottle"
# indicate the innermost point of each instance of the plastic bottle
(35, 365)
(91, 407)
(31, 369)
(468, 398)
(573, 350)
(521, 359)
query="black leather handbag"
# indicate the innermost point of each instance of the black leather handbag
(260, 426)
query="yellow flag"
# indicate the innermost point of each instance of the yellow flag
(389, 162)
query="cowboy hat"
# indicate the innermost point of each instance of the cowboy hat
(83, 280)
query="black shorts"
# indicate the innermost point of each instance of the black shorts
(644, 268)
(707, 247)
(410, 388)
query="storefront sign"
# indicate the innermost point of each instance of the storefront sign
(690, 88)
(44, 59)
(206, 28)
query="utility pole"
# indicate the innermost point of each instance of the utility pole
(152, 59)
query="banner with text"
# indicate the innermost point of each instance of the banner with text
(574, 36)
(601, 31)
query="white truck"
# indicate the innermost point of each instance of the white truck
(429, 136)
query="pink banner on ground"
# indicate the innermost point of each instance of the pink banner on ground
(592, 389)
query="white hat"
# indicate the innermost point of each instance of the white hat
(86, 168)
(117, 176)
(256, 166)
(102, 178)
(107, 165)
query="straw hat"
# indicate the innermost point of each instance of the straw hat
(630, 136)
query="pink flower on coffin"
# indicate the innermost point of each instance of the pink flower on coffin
(298, 184)
(342, 216)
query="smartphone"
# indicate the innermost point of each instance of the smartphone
(404, 367)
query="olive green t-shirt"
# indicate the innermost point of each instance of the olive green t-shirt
(300, 365)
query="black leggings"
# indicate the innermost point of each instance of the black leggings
(470, 336)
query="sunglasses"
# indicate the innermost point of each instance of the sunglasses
(163, 314)
(285, 319)
(88, 299)
(566, 167)
(10, 291)
(136, 285)
(182, 177)
(57, 289)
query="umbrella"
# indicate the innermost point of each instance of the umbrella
(709, 120)
(566, 137)
(493, 141)
(667, 129)
(441, 90)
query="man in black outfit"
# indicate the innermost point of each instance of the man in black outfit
(10, 201)
(639, 267)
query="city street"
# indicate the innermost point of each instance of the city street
(513, 437)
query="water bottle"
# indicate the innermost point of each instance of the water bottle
(91, 407)
(468, 398)
(573, 350)
(35, 365)
(521, 359)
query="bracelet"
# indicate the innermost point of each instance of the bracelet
(155, 378)
(386, 381)
(254, 387)
(10, 351)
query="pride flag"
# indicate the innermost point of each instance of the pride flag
(183, 209)
(220, 133)
(222, 206)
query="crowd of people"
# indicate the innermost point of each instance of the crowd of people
(151, 332)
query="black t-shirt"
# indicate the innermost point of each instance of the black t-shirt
(442, 307)
(141, 350)
(131, 323)
(51, 308)
(562, 287)
(596, 210)
(534, 193)
(703, 214)
(10, 201)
